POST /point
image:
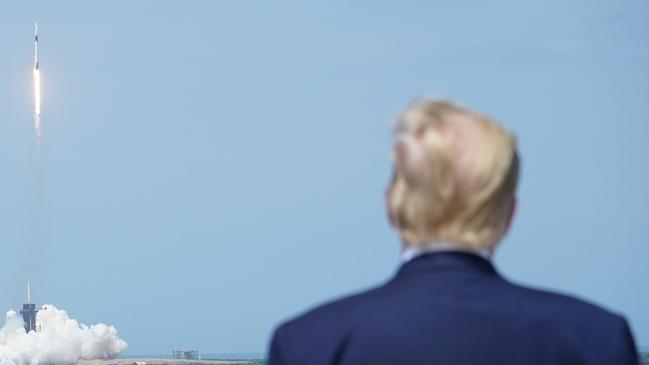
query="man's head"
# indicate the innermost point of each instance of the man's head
(455, 176)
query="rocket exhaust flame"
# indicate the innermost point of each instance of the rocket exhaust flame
(37, 89)
(37, 105)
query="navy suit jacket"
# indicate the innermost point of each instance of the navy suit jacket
(454, 308)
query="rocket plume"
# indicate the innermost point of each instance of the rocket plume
(37, 89)
(37, 105)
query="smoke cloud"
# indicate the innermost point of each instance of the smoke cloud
(59, 340)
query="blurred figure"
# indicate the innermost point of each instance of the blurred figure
(452, 198)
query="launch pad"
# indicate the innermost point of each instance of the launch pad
(138, 361)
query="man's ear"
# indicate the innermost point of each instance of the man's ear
(512, 212)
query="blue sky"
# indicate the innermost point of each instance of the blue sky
(209, 169)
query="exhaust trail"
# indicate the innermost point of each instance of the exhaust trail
(37, 90)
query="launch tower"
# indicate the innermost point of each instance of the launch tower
(29, 311)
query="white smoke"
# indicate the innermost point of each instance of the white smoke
(58, 340)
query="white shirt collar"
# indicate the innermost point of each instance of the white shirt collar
(410, 252)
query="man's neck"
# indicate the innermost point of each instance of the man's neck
(409, 252)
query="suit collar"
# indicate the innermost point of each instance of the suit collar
(447, 261)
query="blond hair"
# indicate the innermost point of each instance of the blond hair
(455, 175)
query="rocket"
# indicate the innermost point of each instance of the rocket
(35, 46)
(37, 88)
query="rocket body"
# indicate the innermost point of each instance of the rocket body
(37, 89)
(35, 46)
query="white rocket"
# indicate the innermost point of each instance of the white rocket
(37, 89)
(35, 46)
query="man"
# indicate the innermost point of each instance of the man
(452, 198)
